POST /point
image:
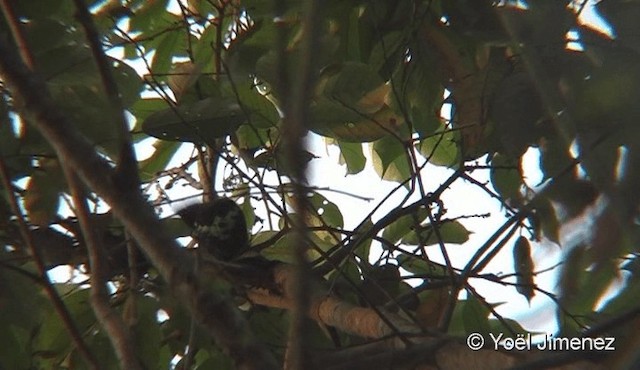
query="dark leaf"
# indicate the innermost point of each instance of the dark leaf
(523, 267)
(199, 122)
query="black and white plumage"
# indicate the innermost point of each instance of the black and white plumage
(219, 227)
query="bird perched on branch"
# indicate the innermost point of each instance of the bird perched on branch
(219, 227)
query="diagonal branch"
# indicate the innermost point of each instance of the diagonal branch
(53, 296)
(332, 311)
(112, 323)
(127, 163)
(214, 312)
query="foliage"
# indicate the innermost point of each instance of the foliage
(218, 84)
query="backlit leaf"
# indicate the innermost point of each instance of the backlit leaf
(451, 232)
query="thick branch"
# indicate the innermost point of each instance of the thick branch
(215, 313)
(112, 323)
(444, 351)
(296, 112)
(331, 311)
(127, 163)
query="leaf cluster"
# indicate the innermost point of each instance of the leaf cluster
(403, 87)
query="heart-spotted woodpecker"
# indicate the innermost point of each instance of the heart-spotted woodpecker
(219, 227)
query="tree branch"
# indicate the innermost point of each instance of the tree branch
(127, 163)
(55, 299)
(112, 323)
(331, 311)
(296, 114)
(214, 312)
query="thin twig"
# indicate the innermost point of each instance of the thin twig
(16, 32)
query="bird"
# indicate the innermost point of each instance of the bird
(219, 227)
(221, 231)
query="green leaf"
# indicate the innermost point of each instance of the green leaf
(247, 208)
(352, 155)
(53, 338)
(203, 50)
(452, 232)
(322, 209)
(40, 8)
(263, 237)
(470, 316)
(441, 149)
(390, 160)
(251, 45)
(143, 108)
(475, 316)
(202, 121)
(100, 345)
(128, 81)
(249, 138)
(270, 326)
(582, 286)
(21, 303)
(281, 250)
(261, 113)
(47, 34)
(164, 151)
(13, 354)
(87, 110)
(215, 360)
(388, 52)
(146, 332)
(506, 177)
(150, 17)
(420, 80)
(404, 225)
(335, 120)
(349, 83)
(422, 267)
(167, 46)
